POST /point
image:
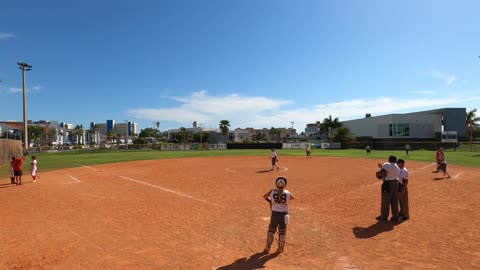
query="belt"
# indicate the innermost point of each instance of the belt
(391, 179)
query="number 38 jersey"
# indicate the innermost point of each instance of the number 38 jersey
(280, 200)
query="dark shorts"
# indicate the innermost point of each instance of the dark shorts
(17, 172)
(278, 220)
(274, 161)
(442, 167)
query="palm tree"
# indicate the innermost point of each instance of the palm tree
(343, 135)
(183, 133)
(472, 120)
(329, 124)
(78, 131)
(52, 133)
(224, 127)
(93, 133)
(112, 136)
(274, 133)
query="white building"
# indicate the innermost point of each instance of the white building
(422, 125)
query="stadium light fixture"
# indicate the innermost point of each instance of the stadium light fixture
(25, 67)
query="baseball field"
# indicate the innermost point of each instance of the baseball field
(204, 210)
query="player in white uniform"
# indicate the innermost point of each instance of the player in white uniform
(403, 195)
(278, 199)
(33, 168)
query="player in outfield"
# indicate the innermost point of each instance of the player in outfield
(278, 199)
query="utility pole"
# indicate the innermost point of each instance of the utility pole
(25, 67)
(126, 135)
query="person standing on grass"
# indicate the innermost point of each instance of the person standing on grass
(403, 190)
(274, 158)
(367, 148)
(407, 148)
(33, 168)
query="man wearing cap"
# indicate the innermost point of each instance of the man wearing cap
(390, 188)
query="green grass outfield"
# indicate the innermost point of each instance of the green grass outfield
(55, 161)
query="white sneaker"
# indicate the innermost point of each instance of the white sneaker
(34, 181)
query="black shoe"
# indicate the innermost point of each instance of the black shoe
(405, 218)
(395, 219)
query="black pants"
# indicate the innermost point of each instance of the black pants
(389, 199)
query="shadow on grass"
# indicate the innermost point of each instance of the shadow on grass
(255, 261)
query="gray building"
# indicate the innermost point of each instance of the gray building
(422, 125)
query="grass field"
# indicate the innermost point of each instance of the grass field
(55, 161)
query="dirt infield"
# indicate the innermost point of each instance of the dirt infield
(208, 213)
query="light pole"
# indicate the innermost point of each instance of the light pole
(293, 134)
(25, 67)
(126, 135)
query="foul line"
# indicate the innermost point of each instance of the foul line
(457, 175)
(429, 165)
(230, 169)
(74, 179)
(159, 187)
(167, 190)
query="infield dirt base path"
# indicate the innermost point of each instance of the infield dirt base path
(208, 213)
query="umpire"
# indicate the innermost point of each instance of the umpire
(390, 188)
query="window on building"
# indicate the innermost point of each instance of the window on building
(399, 130)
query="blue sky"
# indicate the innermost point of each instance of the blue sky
(254, 63)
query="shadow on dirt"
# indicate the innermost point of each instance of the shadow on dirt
(375, 229)
(441, 178)
(264, 171)
(255, 261)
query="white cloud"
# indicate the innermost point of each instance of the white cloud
(37, 88)
(446, 78)
(19, 90)
(6, 35)
(424, 92)
(259, 112)
(203, 108)
(14, 90)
